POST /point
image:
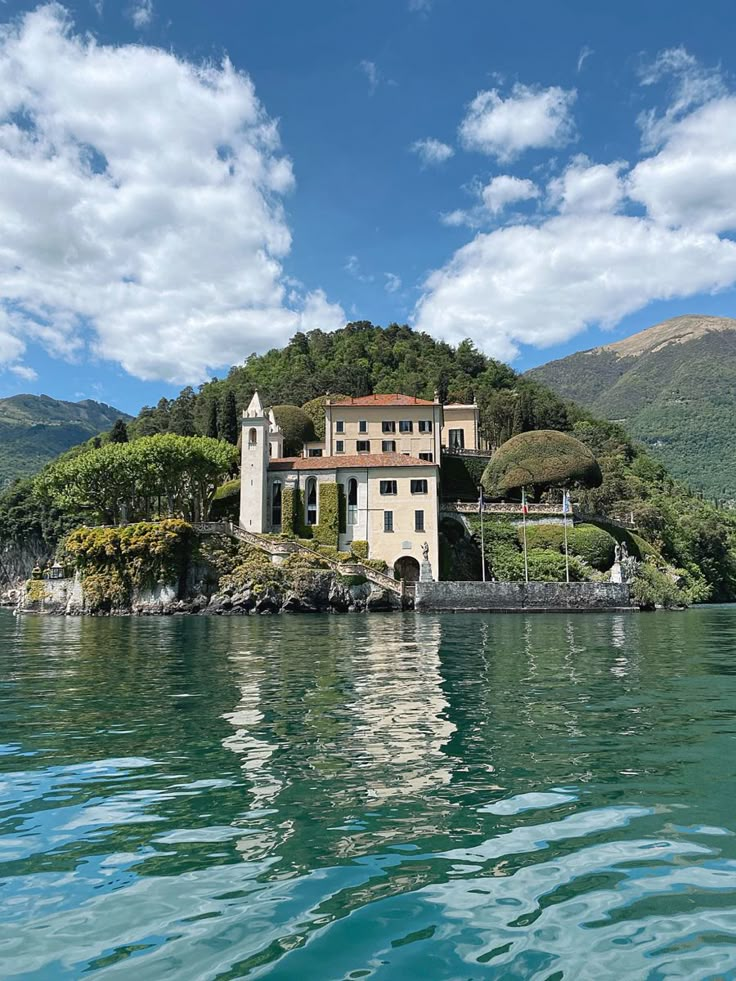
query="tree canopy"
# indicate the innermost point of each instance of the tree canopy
(155, 476)
(296, 426)
(544, 458)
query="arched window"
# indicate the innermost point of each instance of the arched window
(253, 437)
(352, 501)
(311, 499)
(276, 504)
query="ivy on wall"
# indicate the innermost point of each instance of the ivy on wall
(115, 561)
(327, 531)
(290, 507)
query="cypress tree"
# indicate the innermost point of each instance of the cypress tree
(119, 432)
(212, 426)
(229, 428)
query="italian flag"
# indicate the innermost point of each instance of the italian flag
(524, 505)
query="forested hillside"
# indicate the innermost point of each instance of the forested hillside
(35, 428)
(673, 387)
(688, 539)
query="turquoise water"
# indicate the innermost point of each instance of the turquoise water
(383, 797)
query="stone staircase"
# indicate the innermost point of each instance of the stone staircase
(280, 549)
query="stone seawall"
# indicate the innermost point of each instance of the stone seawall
(518, 596)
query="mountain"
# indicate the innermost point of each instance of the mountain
(35, 428)
(673, 387)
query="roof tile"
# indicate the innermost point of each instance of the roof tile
(394, 399)
(347, 462)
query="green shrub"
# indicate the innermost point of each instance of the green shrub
(591, 544)
(460, 477)
(359, 549)
(547, 565)
(226, 502)
(541, 458)
(652, 587)
(296, 426)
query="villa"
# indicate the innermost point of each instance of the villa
(383, 452)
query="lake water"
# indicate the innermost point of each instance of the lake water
(383, 797)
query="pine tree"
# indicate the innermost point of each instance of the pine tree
(229, 422)
(212, 427)
(119, 432)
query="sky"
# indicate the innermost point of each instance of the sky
(185, 183)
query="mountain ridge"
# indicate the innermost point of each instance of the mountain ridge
(36, 428)
(672, 386)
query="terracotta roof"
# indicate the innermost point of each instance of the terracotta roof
(395, 399)
(347, 461)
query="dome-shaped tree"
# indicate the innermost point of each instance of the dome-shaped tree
(296, 426)
(315, 409)
(543, 458)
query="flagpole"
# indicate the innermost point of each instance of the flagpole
(482, 537)
(523, 519)
(565, 507)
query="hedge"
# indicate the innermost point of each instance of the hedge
(290, 507)
(541, 458)
(226, 502)
(460, 477)
(591, 544)
(315, 409)
(359, 549)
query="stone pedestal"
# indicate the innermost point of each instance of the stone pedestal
(425, 573)
(617, 573)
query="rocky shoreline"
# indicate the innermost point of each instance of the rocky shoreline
(319, 592)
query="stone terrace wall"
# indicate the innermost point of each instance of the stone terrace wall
(517, 596)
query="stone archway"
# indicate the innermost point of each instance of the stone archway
(407, 568)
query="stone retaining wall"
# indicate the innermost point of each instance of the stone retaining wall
(519, 596)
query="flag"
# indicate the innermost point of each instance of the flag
(524, 505)
(481, 502)
(566, 507)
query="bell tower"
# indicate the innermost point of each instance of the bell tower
(254, 455)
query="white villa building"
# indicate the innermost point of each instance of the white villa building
(384, 451)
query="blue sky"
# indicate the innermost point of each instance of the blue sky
(541, 177)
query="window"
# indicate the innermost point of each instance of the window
(362, 426)
(252, 437)
(276, 503)
(339, 446)
(406, 426)
(388, 446)
(419, 521)
(427, 456)
(388, 520)
(363, 446)
(419, 486)
(388, 426)
(339, 425)
(311, 498)
(352, 501)
(315, 453)
(425, 425)
(457, 439)
(388, 486)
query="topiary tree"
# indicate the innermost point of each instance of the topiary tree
(315, 409)
(296, 426)
(541, 458)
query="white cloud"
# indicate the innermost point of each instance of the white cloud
(431, 151)
(692, 180)
(24, 372)
(353, 267)
(588, 187)
(420, 6)
(393, 282)
(505, 190)
(691, 85)
(542, 285)
(585, 53)
(370, 70)
(140, 201)
(142, 13)
(530, 118)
